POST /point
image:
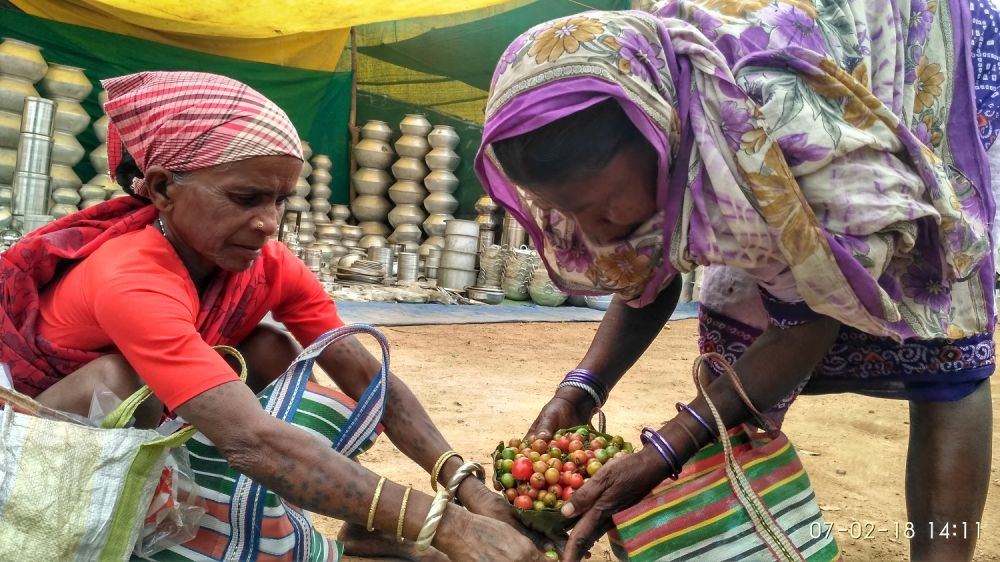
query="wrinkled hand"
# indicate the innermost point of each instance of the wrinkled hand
(482, 501)
(570, 407)
(481, 538)
(621, 483)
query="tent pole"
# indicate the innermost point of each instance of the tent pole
(352, 123)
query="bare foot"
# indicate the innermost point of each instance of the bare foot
(379, 544)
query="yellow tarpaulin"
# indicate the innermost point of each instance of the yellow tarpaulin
(301, 33)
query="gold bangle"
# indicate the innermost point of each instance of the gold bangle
(371, 512)
(440, 465)
(402, 512)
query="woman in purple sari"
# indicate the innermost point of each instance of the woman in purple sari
(825, 161)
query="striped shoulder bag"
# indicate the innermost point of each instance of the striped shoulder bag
(745, 498)
(247, 522)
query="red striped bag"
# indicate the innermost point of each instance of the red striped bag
(745, 498)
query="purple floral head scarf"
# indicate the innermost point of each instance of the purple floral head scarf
(773, 157)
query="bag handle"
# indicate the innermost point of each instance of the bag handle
(760, 516)
(367, 414)
(121, 415)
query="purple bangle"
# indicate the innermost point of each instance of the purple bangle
(586, 377)
(650, 437)
(681, 407)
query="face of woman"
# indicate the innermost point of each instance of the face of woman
(221, 217)
(610, 204)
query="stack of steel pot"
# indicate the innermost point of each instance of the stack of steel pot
(371, 182)
(518, 270)
(319, 197)
(408, 192)
(487, 221)
(101, 186)
(68, 86)
(441, 182)
(31, 180)
(461, 250)
(299, 204)
(543, 291)
(21, 66)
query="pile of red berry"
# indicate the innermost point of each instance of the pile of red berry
(544, 474)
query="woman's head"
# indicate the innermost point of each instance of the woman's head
(594, 165)
(216, 158)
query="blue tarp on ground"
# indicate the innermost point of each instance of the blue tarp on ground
(396, 314)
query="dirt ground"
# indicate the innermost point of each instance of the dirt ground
(466, 376)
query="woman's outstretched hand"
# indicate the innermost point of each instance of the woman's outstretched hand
(620, 484)
(570, 407)
(488, 504)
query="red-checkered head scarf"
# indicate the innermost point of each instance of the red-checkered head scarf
(186, 121)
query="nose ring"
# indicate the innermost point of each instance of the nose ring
(260, 224)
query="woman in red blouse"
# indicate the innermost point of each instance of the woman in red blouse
(138, 290)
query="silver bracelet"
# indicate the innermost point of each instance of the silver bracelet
(590, 390)
(444, 496)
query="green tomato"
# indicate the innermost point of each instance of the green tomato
(628, 448)
(506, 465)
(618, 440)
(508, 454)
(601, 455)
(507, 480)
(552, 554)
(613, 450)
(583, 431)
(538, 506)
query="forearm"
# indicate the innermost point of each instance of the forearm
(770, 369)
(626, 333)
(306, 472)
(406, 422)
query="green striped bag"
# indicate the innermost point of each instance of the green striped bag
(71, 492)
(246, 521)
(745, 498)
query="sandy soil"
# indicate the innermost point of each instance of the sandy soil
(468, 378)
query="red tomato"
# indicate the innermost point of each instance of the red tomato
(590, 455)
(537, 481)
(567, 493)
(539, 446)
(533, 494)
(576, 437)
(563, 444)
(556, 464)
(553, 444)
(575, 446)
(596, 444)
(576, 481)
(564, 478)
(569, 467)
(539, 467)
(556, 489)
(522, 469)
(514, 443)
(580, 458)
(511, 494)
(551, 476)
(524, 502)
(523, 489)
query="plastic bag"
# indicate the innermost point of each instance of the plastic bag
(176, 510)
(177, 506)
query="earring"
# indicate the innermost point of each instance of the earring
(260, 224)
